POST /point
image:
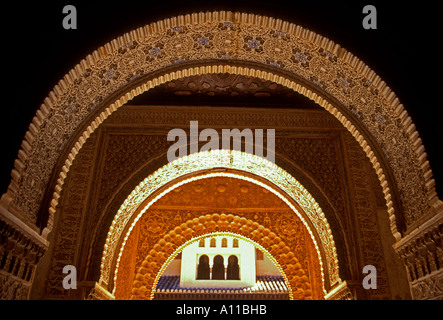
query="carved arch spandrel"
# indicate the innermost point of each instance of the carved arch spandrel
(133, 63)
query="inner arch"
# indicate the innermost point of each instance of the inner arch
(218, 68)
(138, 66)
(272, 178)
(299, 277)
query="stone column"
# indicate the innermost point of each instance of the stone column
(422, 254)
(21, 248)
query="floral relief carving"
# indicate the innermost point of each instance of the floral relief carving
(367, 226)
(224, 36)
(134, 149)
(156, 253)
(219, 158)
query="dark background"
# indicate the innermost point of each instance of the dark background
(37, 52)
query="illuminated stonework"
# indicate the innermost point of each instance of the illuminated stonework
(277, 181)
(245, 45)
(154, 264)
(277, 50)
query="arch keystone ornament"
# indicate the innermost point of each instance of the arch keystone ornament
(199, 166)
(236, 43)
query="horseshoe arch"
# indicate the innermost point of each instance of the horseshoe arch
(224, 42)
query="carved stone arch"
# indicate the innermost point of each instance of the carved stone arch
(239, 43)
(131, 182)
(243, 44)
(152, 267)
(196, 166)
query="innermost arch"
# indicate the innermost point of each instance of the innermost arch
(221, 264)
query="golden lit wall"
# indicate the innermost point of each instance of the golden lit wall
(217, 195)
(130, 145)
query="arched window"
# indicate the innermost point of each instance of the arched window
(224, 243)
(203, 268)
(201, 243)
(212, 243)
(235, 243)
(233, 272)
(218, 269)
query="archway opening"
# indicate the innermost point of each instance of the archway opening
(288, 48)
(353, 108)
(201, 202)
(189, 171)
(233, 270)
(203, 268)
(218, 269)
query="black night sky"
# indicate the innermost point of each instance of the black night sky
(37, 51)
